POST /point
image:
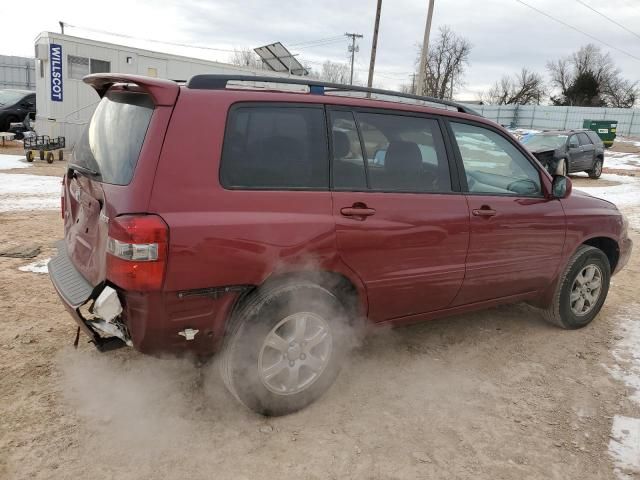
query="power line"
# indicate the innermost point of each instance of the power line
(131, 37)
(105, 32)
(332, 42)
(608, 18)
(578, 30)
(319, 40)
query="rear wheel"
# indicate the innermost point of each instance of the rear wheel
(597, 169)
(285, 347)
(582, 289)
(60, 155)
(29, 156)
(7, 123)
(50, 157)
(41, 154)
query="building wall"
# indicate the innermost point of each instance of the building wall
(69, 116)
(17, 73)
(547, 117)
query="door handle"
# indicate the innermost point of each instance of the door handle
(357, 211)
(484, 212)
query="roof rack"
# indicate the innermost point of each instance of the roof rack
(317, 87)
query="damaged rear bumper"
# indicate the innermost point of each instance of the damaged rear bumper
(74, 291)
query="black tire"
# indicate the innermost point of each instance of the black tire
(597, 169)
(7, 123)
(50, 157)
(260, 313)
(60, 155)
(29, 156)
(41, 154)
(560, 312)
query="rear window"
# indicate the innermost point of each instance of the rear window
(111, 143)
(268, 147)
(594, 138)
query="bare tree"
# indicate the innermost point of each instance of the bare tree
(590, 67)
(524, 88)
(620, 93)
(246, 58)
(334, 72)
(447, 58)
(406, 88)
(560, 72)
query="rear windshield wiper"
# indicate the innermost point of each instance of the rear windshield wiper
(85, 170)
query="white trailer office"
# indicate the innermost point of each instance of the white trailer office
(65, 103)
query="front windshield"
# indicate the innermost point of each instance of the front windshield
(537, 142)
(10, 97)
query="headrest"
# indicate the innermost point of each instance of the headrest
(341, 144)
(403, 156)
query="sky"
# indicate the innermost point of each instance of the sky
(506, 35)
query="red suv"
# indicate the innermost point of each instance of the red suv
(230, 214)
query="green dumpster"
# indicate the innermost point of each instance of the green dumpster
(606, 129)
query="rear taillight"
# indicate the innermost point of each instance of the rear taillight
(137, 252)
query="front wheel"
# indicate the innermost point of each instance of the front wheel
(285, 347)
(563, 167)
(597, 169)
(582, 289)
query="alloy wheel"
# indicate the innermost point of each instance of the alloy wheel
(295, 353)
(586, 290)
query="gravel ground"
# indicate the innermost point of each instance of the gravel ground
(497, 394)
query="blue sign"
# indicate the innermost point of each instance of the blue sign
(55, 59)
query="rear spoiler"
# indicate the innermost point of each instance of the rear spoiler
(164, 92)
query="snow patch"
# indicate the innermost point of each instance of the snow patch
(625, 352)
(29, 192)
(39, 266)
(627, 140)
(624, 446)
(622, 161)
(8, 162)
(625, 196)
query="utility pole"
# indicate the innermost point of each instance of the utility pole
(425, 49)
(374, 45)
(353, 48)
(413, 83)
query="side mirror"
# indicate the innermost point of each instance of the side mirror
(561, 186)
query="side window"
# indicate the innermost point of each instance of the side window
(348, 163)
(573, 141)
(100, 66)
(595, 138)
(78, 67)
(584, 139)
(275, 148)
(493, 165)
(404, 153)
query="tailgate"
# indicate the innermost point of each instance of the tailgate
(113, 164)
